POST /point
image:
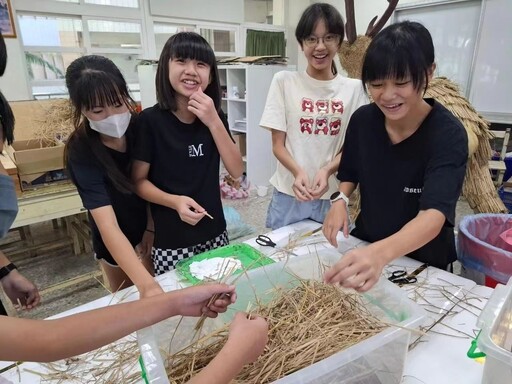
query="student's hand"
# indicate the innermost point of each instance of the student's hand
(201, 105)
(320, 184)
(301, 187)
(190, 212)
(193, 301)
(248, 337)
(359, 268)
(17, 287)
(336, 219)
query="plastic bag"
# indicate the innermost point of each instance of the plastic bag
(231, 188)
(235, 225)
(481, 246)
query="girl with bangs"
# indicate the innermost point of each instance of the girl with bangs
(98, 157)
(408, 155)
(177, 156)
(307, 113)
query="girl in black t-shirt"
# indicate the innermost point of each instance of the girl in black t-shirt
(98, 156)
(181, 141)
(408, 155)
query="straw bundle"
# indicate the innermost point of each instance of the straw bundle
(57, 122)
(352, 55)
(307, 324)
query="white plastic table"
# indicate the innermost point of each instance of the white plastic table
(439, 358)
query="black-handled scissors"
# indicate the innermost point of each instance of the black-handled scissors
(266, 241)
(401, 277)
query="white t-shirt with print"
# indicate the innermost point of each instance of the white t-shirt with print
(314, 114)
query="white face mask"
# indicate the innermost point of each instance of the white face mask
(114, 125)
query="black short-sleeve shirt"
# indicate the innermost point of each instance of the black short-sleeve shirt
(96, 190)
(396, 181)
(184, 160)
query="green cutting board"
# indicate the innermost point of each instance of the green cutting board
(248, 256)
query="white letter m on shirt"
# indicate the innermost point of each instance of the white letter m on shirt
(195, 152)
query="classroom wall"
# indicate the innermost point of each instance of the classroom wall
(14, 82)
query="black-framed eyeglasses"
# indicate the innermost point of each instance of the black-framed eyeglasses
(329, 40)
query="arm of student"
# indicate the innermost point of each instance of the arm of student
(203, 107)
(123, 252)
(320, 183)
(18, 288)
(301, 184)
(229, 152)
(246, 342)
(190, 212)
(361, 268)
(50, 340)
(337, 217)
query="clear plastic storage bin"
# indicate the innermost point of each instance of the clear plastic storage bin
(495, 339)
(378, 359)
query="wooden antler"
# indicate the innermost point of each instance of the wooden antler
(350, 25)
(374, 29)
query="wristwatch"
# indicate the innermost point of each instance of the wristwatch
(339, 196)
(4, 271)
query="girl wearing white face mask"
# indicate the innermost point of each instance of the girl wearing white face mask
(98, 156)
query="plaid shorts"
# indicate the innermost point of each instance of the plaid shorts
(166, 259)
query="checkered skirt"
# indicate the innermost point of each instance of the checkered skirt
(166, 259)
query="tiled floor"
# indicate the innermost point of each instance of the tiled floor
(48, 268)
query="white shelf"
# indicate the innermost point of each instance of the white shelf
(234, 99)
(244, 115)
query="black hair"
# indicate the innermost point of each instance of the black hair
(400, 51)
(312, 15)
(94, 81)
(185, 45)
(6, 115)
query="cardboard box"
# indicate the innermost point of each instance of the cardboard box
(37, 163)
(29, 115)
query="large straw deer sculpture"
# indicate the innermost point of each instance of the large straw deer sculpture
(478, 187)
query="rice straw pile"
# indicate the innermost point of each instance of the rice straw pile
(57, 124)
(306, 324)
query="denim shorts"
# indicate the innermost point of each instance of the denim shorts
(285, 209)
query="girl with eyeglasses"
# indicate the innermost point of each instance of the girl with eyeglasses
(307, 113)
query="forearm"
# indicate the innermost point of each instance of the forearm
(222, 369)
(149, 192)
(51, 340)
(285, 158)
(229, 153)
(415, 234)
(332, 166)
(126, 258)
(347, 187)
(3, 260)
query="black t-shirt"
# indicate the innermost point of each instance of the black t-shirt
(96, 190)
(184, 161)
(396, 181)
